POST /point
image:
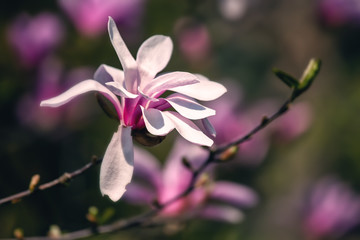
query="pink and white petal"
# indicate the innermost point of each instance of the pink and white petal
(233, 193)
(118, 164)
(153, 55)
(188, 129)
(147, 167)
(159, 105)
(125, 57)
(119, 90)
(221, 213)
(204, 90)
(168, 81)
(206, 127)
(106, 73)
(138, 194)
(189, 108)
(81, 88)
(102, 76)
(156, 122)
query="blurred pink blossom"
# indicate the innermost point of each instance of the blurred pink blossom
(34, 38)
(293, 123)
(233, 9)
(338, 13)
(153, 183)
(90, 16)
(233, 120)
(51, 80)
(194, 40)
(333, 209)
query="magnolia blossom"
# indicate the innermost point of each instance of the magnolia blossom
(141, 106)
(221, 200)
(333, 209)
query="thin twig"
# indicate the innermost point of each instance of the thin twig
(64, 178)
(265, 121)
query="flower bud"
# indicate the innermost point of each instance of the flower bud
(106, 215)
(145, 138)
(34, 182)
(229, 153)
(92, 215)
(202, 181)
(19, 233)
(107, 106)
(309, 75)
(54, 232)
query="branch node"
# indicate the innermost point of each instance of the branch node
(284, 108)
(265, 120)
(94, 159)
(16, 200)
(65, 178)
(186, 163)
(155, 203)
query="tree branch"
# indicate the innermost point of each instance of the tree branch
(64, 178)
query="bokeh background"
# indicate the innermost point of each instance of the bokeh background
(306, 170)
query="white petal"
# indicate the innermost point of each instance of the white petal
(189, 108)
(118, 164)
(204, 90)
(168, 81)
(119, 90)
(80, 88)
(153, 55)
(106, 73)
(125, 57)
(188, 129)
(156, 122)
